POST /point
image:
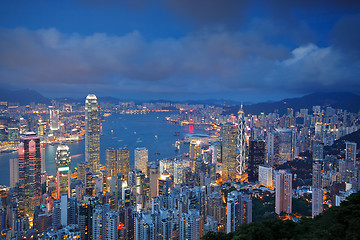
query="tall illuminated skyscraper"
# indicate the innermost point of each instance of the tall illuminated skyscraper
(54, 119)
(29, 174)
(241, 143)
(124, 162)
(283, 192)
(141, 159)
(111, 162)
(63, 171)
(229, 163)
(317, 191)
(92, 133)
(117, 161)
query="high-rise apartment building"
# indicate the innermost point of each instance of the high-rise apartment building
(141, 159)
(229, 163)
(190, 225)
(317, 191)
(350, 152)
(238, 210)
(283, 192)
(29, 174)
(63, 170)
(92, 133)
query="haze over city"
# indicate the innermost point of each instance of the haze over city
(180, 49)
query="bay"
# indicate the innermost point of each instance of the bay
(118, 130)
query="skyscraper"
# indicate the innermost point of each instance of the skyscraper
(283, 192)
(239, 210)
(286, 149)
(29, 174)
(111, 162)
(54, 119)
(14, 172)
(190, 225)
(123, 162)
(255, 159)
(241, 143)
(63, 170)
(92, 133)
(141, 159)
(265, 176)
(351, 152)
(229, 163)
(318, 152)
(317, 191)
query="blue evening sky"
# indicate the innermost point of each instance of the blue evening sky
(180, 49)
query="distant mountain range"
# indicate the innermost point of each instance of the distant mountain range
(23, 97)
(344, 100)
(338, 100)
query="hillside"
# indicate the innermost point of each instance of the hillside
(23, 97)
(335, 223)
(342, 100)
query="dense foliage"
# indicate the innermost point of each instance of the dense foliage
(335, 223)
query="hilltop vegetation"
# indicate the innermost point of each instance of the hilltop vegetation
(335, 223)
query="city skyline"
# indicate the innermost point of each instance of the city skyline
(245, 51)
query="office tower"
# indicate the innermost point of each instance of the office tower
(124, 162)
(63, 170)
(283, 192)
(265, 176)
(286, 149)
(318, 152)
(270, 149)
(195, 149)
(81, 170)
(154, 176)
(164, 184)
(179, 171)
(14, 172)
(241, 143)
(141, 159)
(92, 133)
(190, 225)
(238, 210)
(317, 191)
(255, 159)
(54, 119)
(111, 162)
(351, 152)
(29, 174)
(229, 163)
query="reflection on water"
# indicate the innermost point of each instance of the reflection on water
(118, 131)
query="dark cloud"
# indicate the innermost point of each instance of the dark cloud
(201, 63)
(346, 35)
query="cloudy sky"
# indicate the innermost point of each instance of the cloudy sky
(239, 50)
